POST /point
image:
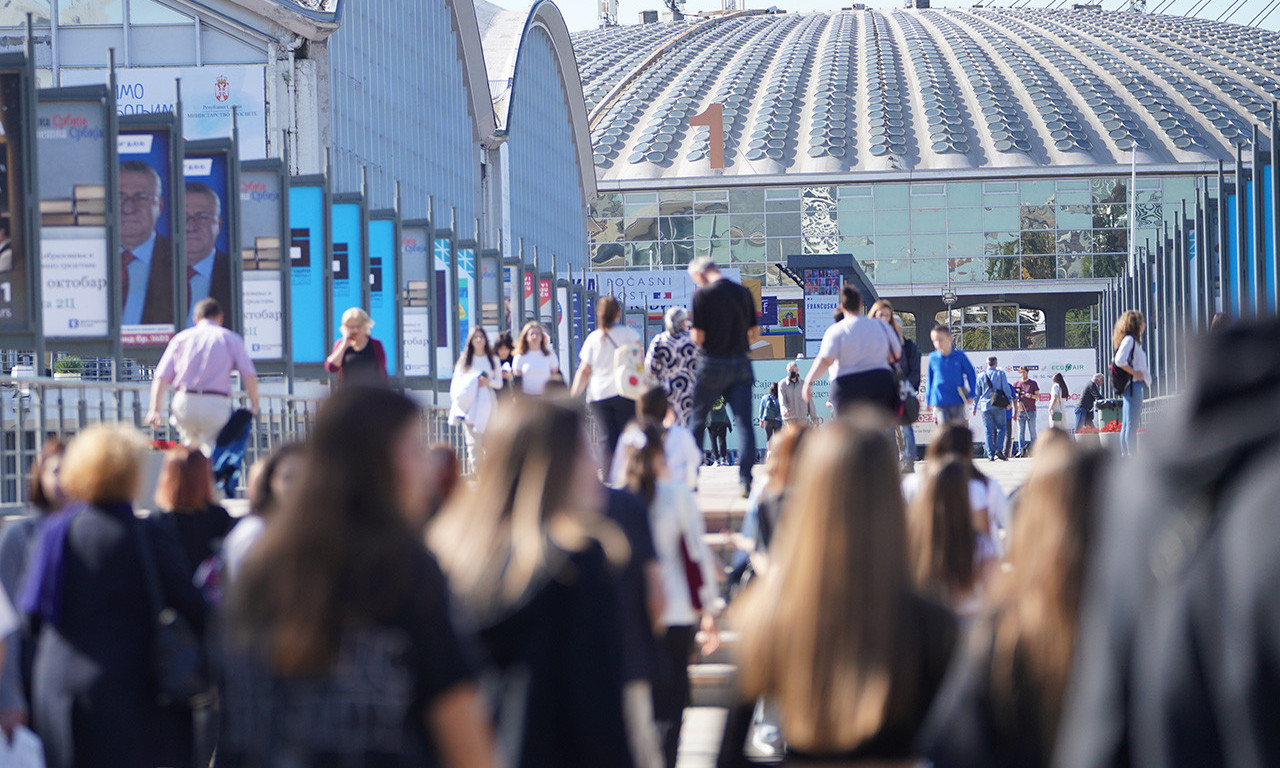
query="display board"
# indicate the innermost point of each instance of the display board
(382, 285)
(211, 212)
(308, 269)
(262, 242)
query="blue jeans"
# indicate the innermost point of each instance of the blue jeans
(997, 428)
(950, 414)
(730, 378)
(1083, 418)
(1131, 416)
(908, 443)
(1026, 420)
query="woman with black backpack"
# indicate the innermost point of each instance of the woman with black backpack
(1131, 377)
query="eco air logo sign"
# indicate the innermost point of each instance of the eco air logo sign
(221, 88)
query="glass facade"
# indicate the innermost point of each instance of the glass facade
(901, 233)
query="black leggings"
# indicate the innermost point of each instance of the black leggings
(719, 441)
(612, 416)
(671, 692)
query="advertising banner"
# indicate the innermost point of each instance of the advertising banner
(446, 296)
(489, 290)
(821, 299)
(307, 269)
(647, 294)
(147, 233)
(382, 286)
(262, 253)
(263, 300)
(466, 291)
(415, 299)
(564, 336)
(209, 211)
(208, 94)
(348, 262)
(73, 269)
(15, 302)
(71, 139)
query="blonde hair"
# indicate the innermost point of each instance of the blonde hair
(104, 463)
(522, 343)
(1130, 323)
(513, 529)
(822, 634)
(1036, 603)
(357, 316)
(893, 317)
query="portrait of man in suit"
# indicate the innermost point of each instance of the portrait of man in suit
(208, 269)
(146, 256)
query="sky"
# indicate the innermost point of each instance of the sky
(581, 14)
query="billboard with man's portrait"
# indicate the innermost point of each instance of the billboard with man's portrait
(147, 247)
(206, 232)
(14, 312)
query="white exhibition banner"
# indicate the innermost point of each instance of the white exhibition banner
(417, 341)
(655, 290)
(1077, 367)
(263, 299)
(73, 271)
(208, 94)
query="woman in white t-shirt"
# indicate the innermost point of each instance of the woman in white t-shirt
(534, 364)
(862, 350)
(1132, 358)
(471, 391)
(597, 375)
(1058, 401)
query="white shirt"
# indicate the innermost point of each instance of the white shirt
(535, 368)
(598, 352)
(678, 448)
(1056, 405)
(238, 543)
(987, 496)
(859, 344)
(1139, 363)
(672, 515)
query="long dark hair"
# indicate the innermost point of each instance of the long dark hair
(262, 500)
(337, 551)
(469, 354)
(1062, 384)
(642, 463)
(941, 533)
(52, 451)
(954, 440)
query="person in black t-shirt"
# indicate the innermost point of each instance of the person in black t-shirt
(725, 326)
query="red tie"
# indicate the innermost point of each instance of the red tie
(126, 259)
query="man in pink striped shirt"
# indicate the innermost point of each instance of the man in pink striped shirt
(198, 363)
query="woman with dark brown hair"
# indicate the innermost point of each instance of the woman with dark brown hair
(44, 489)
(987, 501)
(184, 495)
(944, 560)
(598, 372)
(1003, 698)
(836, 634)
(525, 548)
(341, 617)
(476, 376)
(780, 467)
(271, 481)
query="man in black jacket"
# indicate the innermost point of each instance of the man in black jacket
(1084, 411)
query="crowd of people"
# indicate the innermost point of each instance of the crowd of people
(375, 608)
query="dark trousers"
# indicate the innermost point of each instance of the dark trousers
(730, 378)
(612, 415)
(771, 427)
(719, 441)
(877, 387)
(671, 690)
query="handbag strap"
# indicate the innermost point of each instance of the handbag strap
(149, 572)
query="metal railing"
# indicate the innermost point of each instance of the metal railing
(34, 410)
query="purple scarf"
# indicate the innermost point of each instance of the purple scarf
(42, 592)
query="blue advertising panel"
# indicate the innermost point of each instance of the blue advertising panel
(1268, 237)
(348, 262)
(206, 234)
(1231, 280)
(382, 287)
(307, 272)
(445, 298)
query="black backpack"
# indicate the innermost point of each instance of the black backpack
(1120, 378)
(999, 398)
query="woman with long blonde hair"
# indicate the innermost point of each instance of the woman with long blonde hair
(836, 635)
(1132, 359)
(1002, 703)
(525, 549)
(535, 362)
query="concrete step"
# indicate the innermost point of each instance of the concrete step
(713, 685)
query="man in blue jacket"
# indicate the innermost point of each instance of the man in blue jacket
(994, 397)
(951, 379)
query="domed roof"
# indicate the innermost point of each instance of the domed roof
(878, 90)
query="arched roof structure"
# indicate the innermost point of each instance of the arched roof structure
(916, 90)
